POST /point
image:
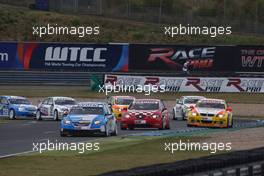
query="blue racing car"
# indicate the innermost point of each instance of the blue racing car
(14, 106)
(89, 117)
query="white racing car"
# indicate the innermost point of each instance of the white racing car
(182, 107)
(55, 107)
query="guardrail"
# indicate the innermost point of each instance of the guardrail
(46, 78)
(243, 162)
(83, 78)
(255, 169)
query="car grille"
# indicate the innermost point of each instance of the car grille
(207, 115)
(31, 109)
(140, 116)
(205, 121)
(81, 124)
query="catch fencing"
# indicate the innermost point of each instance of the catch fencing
(248, 18)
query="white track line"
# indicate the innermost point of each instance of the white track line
(16, 154)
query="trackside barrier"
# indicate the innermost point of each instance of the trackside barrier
(241, 161)
(256, 169)
(187, 84)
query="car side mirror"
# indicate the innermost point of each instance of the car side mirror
(229, 109)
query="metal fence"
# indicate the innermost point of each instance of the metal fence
(243, 15)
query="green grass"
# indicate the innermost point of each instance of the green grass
(112, 30)
(115, 154)
(83, 92)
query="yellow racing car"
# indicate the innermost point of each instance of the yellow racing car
(119, 104)
(210, 113)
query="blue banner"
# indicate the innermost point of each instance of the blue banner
(64, 57)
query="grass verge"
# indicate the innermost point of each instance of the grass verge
(115, 154)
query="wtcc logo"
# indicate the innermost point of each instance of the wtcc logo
(4, 57)
(205, 85)
(73, 54)
(246, 85)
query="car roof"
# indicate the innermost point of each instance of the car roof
(189, 96)
(12, 97)
(214, 100)
(130, 97)
(147, 100)
(92, 103)
(68, 98)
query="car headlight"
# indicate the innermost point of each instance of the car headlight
(221, 115)
(127, 116)
(194, 114)
(67, 122)
(97, 122)
(155, 116)
(21, 108)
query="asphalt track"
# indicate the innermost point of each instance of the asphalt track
(18, 136)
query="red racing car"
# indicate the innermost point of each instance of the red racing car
(146, 113)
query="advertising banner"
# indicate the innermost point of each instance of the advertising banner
(181, 58)
(250, 59)
(65, 57)
(191, 84)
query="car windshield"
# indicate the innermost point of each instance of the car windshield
(123, 101)
(144, 106)
(211, 105)
(191, 100)
(88, 110)
(65, 102)
(19, 101)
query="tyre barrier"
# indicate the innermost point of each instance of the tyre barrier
(200, 165)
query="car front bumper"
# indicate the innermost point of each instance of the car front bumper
(141, 123)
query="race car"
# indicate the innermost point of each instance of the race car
(182, 107)
(54, 107)
(119, 104)
(89, 117)
(210, 113)
(146, 113)
(15, 106)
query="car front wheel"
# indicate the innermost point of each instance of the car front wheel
(115, 131)
(106, 133)
(12, 114)
(38, 115)
(56, 115)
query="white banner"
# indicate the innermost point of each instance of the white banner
(189, 84)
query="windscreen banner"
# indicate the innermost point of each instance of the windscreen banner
(186, 84)
(66, 57)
